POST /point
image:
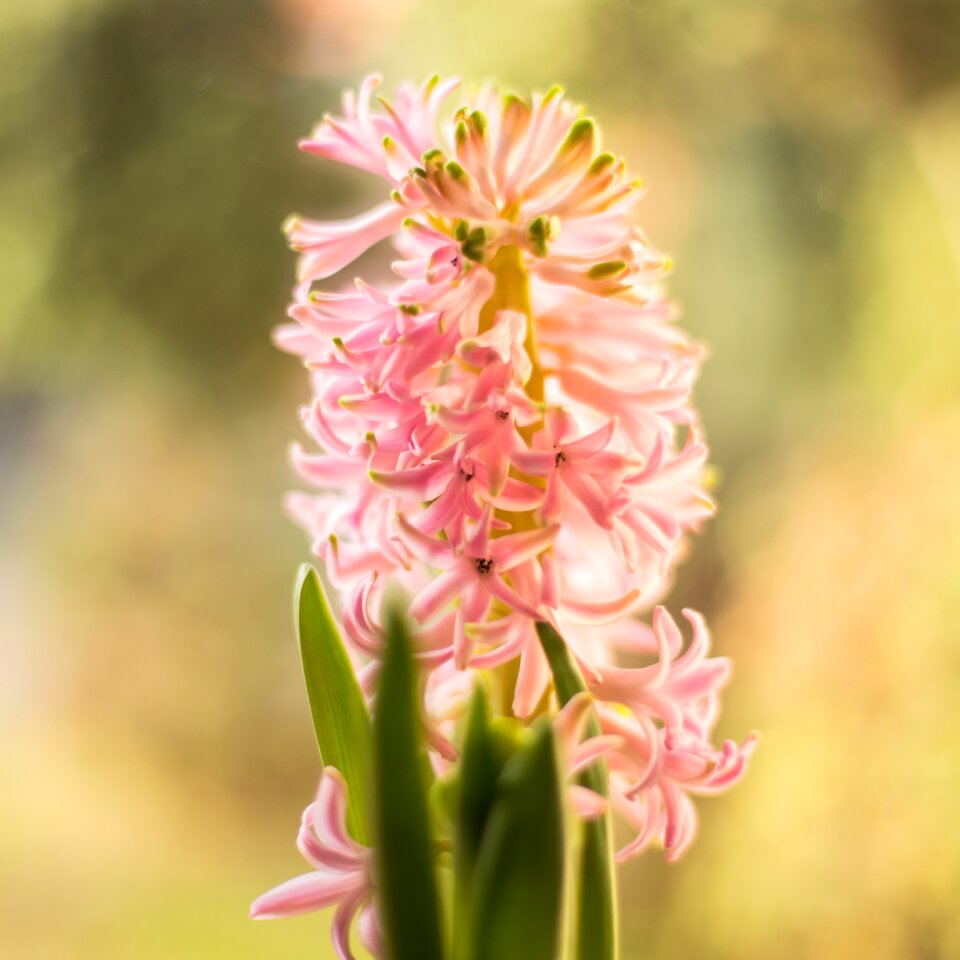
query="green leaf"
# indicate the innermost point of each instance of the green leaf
(596, 897)
(340, 715)
(480, 764)
(518, 886)
(409, 908)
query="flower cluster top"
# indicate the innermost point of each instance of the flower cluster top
(506, 430)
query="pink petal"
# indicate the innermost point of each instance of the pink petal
(497, 467)
(369, 929)
(473, 607)
(509, 635)
(568, 723)
(517, 496)
(327, 247)
(603, 611)
(532, 679)
(586, 804)
(537, 463)
(347, 562)
(330, 816)
(586, 489)
(513, 600)
(340, 928)
(592, 443)
(417, 480)
(516, 548)
(324, 470)
(438, 594)
(303, 894)
(429, 549)
(477, 545)
(591, 750)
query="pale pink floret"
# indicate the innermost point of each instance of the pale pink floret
(341, 876)
(666, 729)
(655, 797)
(473, 574)
(584, 467)
(680, 690)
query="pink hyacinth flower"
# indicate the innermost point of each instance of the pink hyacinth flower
(340, 877)
(671, 708)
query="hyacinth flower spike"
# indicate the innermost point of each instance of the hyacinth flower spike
(505, 468)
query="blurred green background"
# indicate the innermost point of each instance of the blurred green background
(803, 160)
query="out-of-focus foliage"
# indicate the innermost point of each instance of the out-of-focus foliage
(409, 904)
(804, 166)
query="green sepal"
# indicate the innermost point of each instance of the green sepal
(455, 170)
(541, 230)
(479, 120)
(474, 246)
(404, 852)
(600, 163)
(340, 716)
(610, 268)
(582, 131)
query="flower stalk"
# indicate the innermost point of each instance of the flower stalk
(511, 291)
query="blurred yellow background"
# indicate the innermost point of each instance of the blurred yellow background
(803, 160)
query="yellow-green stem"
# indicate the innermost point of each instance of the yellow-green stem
(512, 292)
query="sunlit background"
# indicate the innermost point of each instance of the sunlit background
(803, 162)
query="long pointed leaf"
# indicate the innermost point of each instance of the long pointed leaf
(518, 885)
(596, 909)
(340, 716)
(480, 766)
(409, 908)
